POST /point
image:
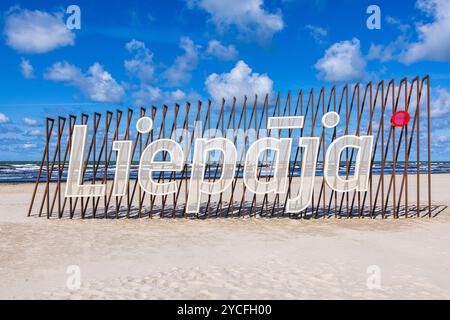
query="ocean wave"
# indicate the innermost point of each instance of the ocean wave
(28, 172)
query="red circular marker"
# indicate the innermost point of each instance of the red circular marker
(400, 118)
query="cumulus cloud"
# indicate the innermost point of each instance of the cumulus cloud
(148, 95)
(34, 133)
(221, 52)
(432, 41)
(403, 27)
(36, 31)
(240, 81)
(342, 61)
(317, 33)
(3, 118)
(440, 103)
(30, 121)
(97, 84)
(63, 71)
(250, 18)
(382, 53)
(141, 65)
(180, 72)
(440, 143)
(27, 69)
(440, 115)
(392, 51)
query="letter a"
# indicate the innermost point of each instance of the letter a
(282, 148)
(374, 20)
(74, 20)
(360, 178)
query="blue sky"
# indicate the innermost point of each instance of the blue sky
(153, 52)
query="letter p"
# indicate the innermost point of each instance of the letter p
(197, 183)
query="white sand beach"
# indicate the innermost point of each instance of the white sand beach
(225, 258)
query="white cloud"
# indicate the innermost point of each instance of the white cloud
(63, 71)
(141, 66)
(440, 103)
(403, 27)
(392, 51)
(432, 41)
(30, 121)
(179, 72)
(440, 143)
(317, 33)
(240, 81)
(221, 52)
(248, 17)
(178, 95)
(380, 52)
(342, 61)
(27, 69)
(97, 84)
(34, 133)
(36, 31)
(3, 118)
(431, 44)
(148, 95)
(29, 145)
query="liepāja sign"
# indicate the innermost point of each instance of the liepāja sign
(199, 186)
(320, 155)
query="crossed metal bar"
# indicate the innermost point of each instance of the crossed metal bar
(362, 109)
